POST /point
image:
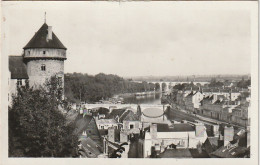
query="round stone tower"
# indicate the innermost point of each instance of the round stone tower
(44, 56)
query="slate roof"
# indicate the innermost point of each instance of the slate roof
(88, 124)
(123, 114)
(183, 153)
(209, 98)
(232, 152)
(91, 147)
(224, 90)
(210, 144)
(39, 40)
(17, 67)
(115, 112)
(183, 127)
(206, 90)
(131, 116)
(112, 149)
(175, 153)
(106, 121)
(192, 93)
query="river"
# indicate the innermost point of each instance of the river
(149, 99)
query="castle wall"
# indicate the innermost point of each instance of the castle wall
(52, 67)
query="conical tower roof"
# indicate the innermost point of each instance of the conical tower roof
(39, 40)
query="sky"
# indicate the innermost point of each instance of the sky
(138, 38)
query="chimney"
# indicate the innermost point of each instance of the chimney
(163, 112)
(111, 134)
(215, 130)
(228, 134)
(153, 131)
(105, 145)
(49, 36)
(200, 130)
(123, 136)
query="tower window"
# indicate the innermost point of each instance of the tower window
(19, 82)
(60, 81)
(44, 52)
(43, 67)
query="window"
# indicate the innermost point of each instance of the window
(19, 82)
(131, 126)
(44, 52)
(29, 52)
(43, 67)
(59, 81)
(102, 127)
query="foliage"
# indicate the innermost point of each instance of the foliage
(244, 83)
(37, 128)
(164, 86)
(215, 83)
(186, 85)
(157, 86)
(87, 88)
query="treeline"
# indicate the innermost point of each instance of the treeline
(88, 88)
(213, 84)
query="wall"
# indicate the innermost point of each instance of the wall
(181, 139)
(107, 125)
(111, 134)
(123, 137)
(160, 119)
(38, 77)
(13, 88)
(234, 96)
(136, 129)
(58, 53)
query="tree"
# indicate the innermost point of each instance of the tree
(117, 153)
(215, 83)
(37, 128)
(104, 111)
(93, 88)
(180, 86)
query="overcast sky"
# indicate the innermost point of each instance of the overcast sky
(138, 38)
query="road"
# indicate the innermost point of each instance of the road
(208, 120)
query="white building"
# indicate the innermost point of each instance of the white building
(159, 136)
(153, 115)
(106, 123)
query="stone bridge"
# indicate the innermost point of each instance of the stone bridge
(121, 106)
(170, 84)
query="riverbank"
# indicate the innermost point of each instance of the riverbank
(133, 94)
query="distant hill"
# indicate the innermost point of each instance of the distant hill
(201, 78)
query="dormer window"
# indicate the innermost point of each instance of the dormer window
(43, 67)
(44, 52)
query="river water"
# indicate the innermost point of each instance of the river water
(149, 99)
